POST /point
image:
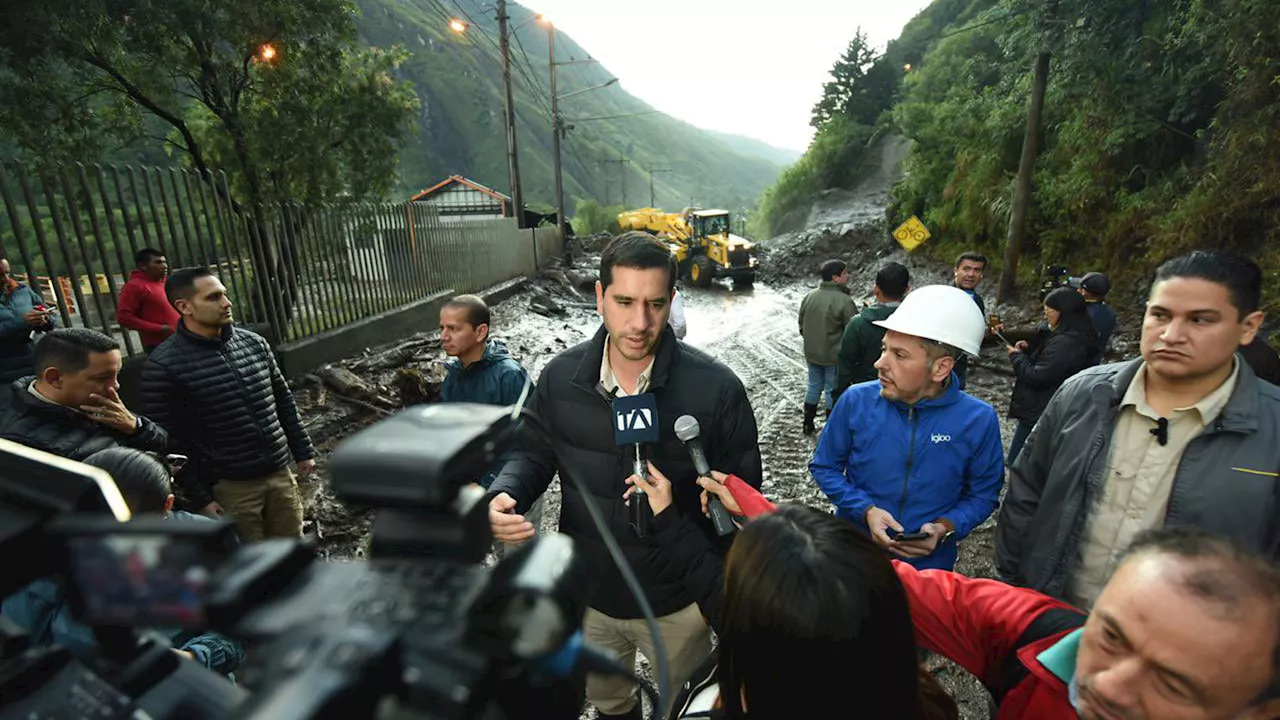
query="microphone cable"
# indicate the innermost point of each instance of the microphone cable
(661, 666)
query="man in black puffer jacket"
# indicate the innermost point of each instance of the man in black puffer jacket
(635, 352)
(71, 407)
(218, 390)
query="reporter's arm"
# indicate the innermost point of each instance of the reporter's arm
(215, 651)
(973, 622)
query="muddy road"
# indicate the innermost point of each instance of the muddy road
(753, 332)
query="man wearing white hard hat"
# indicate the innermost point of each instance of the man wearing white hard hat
(910, 457)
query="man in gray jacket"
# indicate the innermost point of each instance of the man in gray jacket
(1187, 435)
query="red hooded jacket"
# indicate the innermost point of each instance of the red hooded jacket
(144, 307)
(993, 630)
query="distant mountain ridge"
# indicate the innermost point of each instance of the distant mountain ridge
(752, 147)
(460, 127)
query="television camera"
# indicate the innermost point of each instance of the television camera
(421, 630)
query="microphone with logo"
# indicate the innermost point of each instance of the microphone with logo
(635, 422)
(688, 430)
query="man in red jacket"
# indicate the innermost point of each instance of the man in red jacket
(143, 305)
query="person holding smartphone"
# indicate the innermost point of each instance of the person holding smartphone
(910, 457)
(22, 312)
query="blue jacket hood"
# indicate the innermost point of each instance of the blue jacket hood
(940, 458)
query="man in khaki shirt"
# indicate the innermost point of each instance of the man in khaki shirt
(1187, 435)
(1135, 489)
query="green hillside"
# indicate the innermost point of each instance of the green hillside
(1158, 134)
(459, 129)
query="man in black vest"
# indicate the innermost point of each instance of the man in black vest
(635, 352)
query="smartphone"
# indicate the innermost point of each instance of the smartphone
(911, 536)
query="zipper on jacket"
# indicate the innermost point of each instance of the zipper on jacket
(911, 456)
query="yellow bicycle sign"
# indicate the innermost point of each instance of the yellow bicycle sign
(911, 234)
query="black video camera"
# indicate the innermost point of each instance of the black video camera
(1055, 276)
(422, 630)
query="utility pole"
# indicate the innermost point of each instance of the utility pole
(1026, 165)
(513, 157)
(556, 130)
(652, 201)
(622, 175)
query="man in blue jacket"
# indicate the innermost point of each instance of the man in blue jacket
(22, 311)
(910, 453)
(482, 371)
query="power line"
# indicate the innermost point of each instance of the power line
(615, 117)
(530, 87)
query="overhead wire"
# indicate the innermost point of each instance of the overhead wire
(483, 45)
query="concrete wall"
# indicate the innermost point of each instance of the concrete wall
(298, 358)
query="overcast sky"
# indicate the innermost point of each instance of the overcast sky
(762, 63)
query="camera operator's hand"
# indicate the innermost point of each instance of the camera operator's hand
(506, 525)
(921, 548)
(882, 524)
(657, 488)
(714, 485)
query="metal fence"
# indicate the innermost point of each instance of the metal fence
(293, 270)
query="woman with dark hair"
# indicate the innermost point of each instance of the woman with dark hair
(810, 613)
(1059, 351)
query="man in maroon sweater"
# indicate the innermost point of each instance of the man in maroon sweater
(143, 305)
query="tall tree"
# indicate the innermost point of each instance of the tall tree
(841, 95)
(277, 92)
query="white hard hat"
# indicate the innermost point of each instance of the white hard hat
(942, 313)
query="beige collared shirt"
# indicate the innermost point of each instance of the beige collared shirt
(1137, 481)
(609, 382)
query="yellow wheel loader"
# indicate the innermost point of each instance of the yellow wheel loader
(701, 242)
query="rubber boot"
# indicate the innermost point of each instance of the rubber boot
(810, 412)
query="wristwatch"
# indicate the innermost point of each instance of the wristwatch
(950, 534)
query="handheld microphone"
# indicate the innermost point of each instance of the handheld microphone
(635, 422)
(688, 430)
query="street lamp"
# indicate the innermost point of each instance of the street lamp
(457, 25)
(267, 52)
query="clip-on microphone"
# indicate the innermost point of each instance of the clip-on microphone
(1161, 431)
(635, 421)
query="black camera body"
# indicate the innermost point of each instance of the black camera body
(422, 630)
(1055, 276)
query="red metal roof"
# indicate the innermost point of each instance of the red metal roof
(459, 179)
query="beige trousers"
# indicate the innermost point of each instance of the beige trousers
(685, 634)
(267, 507)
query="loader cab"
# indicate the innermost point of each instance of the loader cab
(710, 222)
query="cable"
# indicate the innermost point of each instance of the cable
(663, 670)
(443, 13)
